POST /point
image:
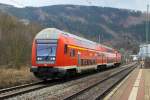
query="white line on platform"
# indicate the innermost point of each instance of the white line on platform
(136, 86)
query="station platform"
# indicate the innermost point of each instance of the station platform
(136, 86)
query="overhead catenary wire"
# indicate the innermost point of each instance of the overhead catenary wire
(17, 3)
(100, 36)
(89, 2)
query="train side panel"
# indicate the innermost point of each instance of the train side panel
(64, 52)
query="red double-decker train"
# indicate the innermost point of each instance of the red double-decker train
(56, 53)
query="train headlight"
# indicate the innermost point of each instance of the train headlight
(39, 58)
(53, 58)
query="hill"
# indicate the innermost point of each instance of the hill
(120, 28)
(15, 40)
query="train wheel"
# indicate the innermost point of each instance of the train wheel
(70, 73)
(100, 68)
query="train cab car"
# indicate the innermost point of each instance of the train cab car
(55, 53)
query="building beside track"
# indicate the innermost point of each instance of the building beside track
(144, 51)
(144, 54)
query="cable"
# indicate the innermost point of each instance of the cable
(100, 36)
(18, 3)
(90, 2)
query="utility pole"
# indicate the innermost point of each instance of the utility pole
(147, 35)
(99, 39)
(147, 30)
(147, 23)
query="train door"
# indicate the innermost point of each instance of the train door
(79, 62)
(116, 57)
(79, 59)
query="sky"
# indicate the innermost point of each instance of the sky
(127, 4)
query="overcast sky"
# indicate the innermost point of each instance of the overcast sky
(128, 4)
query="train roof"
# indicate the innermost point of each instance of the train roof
(53, 33)
(48, 33)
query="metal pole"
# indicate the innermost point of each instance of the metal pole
(99, 39)
(147, 30)
(147, 23)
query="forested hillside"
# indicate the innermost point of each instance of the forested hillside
(119, 28)
(15, 40)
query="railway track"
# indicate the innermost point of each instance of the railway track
(99, 89)
(27, 88)
(18, 87)
(21, 89)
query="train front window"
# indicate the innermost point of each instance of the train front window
(46, 52)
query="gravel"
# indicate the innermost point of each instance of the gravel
(59, 91)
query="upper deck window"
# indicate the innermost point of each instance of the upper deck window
(65, 49)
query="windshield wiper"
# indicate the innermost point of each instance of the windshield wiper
(46, 57)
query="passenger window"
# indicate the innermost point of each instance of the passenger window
(65, 49)
(82, 62)
(72, 52)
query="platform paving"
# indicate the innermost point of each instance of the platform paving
(136, 86)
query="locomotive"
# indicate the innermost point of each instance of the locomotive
(56, 53)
